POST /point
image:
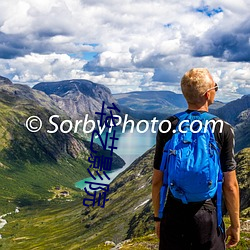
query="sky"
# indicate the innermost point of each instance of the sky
(127, 45)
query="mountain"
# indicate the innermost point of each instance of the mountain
(237, 114)
(242, 130)
(34, 165)
(18, 102)
(243, 174)
(149, 104)
(4, 80)
(77, 97)
(126, 215)
(80, 97)
(68, 225)
(216, 105)
(31, 164)
(232, 110)
(129, 212)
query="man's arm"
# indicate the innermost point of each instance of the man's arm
(156, 187)
(231, 195)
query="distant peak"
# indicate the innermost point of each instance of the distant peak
(4, 80)
(61, 88)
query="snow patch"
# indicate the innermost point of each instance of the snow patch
(141, 187)
(143, 203)
(4, 222)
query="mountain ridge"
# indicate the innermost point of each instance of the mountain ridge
(230, 111)
(58, 158)
(4, 80)
(78, 97)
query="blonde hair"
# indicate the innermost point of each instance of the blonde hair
(195, 83)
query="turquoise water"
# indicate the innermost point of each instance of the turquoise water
(129, 147)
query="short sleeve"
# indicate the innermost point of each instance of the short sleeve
(226, 141)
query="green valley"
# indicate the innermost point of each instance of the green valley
(38, 172)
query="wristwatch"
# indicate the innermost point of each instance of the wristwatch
(157, 219)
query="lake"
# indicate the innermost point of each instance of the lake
(129, 147)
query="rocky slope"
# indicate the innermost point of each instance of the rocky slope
(129, 212)
(77, 97)
(32, 163)
(242, 130)
(4, 80)
(232, 110)
(237, 114)
(18, 102)
(243, 175)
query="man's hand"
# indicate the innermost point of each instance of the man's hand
(157, 228)
(233, 236)
(232, 200)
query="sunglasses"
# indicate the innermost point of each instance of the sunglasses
(216, 87)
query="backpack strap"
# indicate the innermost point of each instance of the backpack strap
(164, 169)
(218, 200)
(209, 116)
(163, 195)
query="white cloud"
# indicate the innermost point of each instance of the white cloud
(34, 68)
(141, 44)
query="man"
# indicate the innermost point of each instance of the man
(194, 225)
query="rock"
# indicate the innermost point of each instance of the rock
(109, 243)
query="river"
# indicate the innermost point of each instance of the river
(129, 147)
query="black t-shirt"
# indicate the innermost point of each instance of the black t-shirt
(225, 141)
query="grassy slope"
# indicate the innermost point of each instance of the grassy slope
(32, 183)
(51, 225)
(120, 220)
(150, 242)
(60, 225)
(26, 171)
(30, 166)
(243, 176)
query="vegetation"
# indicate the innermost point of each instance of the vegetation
(243, 175)
(48, 225)
(150, 242)
(36, 167)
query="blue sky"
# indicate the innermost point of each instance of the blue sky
(126, 45)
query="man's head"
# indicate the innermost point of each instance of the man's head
(197, 86)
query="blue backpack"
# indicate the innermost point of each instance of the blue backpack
(191, 162)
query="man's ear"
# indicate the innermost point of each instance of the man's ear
(207, 95)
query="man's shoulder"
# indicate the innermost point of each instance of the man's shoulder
(173, 123)
(225, 126)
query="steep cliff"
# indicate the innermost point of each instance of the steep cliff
(77, 97)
